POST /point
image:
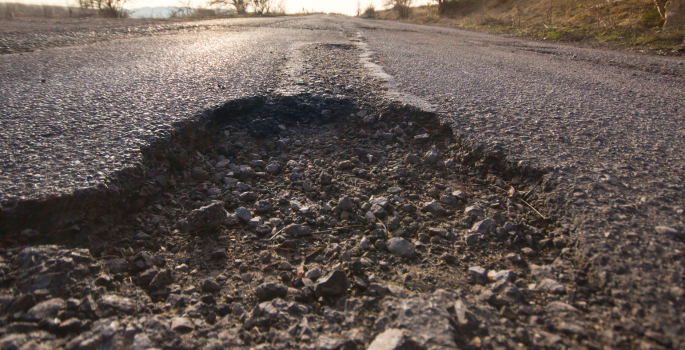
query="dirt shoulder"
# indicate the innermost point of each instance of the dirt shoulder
(629, 25)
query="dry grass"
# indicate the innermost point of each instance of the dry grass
(10, 10)
(631, 24)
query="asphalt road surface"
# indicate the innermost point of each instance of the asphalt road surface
(606, 128)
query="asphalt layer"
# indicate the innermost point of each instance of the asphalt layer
(74, 115)
(604, 129)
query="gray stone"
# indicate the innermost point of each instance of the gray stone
(435, 208)
(334, 284)
(551, 286)
(413, 159)
(400, 247)
(346, 165)
(243, 214)
(571, 328)
(479, 274)
(71, 325)
(513, 257)
(668, 231)
(146, 277)
(199, 174)
(474, 211)
(540, 272)
(313, 274)
(265, 309)
(394, 339)
(424, 317)
(448, 199)
(262, 229)
(161, 280)
(460, 195)
(560, 242)
(272, 168)
(472, 239)
(378, 211)
(466, 320)
(511, 292)
(422, 137)
(248, 197)
(245, 172)
(144, 260)
(207, 217)
(485, 226)
(141, 342)
(506, 275)
(242, 187)
(118, 303)
(381, 201)
(268, 291)
(431, 157)
(345, 204)
(255, 222)
(237, 309)
(219, 254)
(325, 178)
(46, 309)
(558, 306)
(210, 286)
(182, 325)
(295, 230)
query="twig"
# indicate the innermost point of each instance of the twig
(531, 207)
(329, 230)
(385, 227)
(532, 189)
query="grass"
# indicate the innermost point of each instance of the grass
(626, 24)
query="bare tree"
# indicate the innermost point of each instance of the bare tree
(673, 12)
(281, 8)
(240, 6)
(402, 7)
(106, 8)
(262, 6)
(660, 7)
(441, 6)
(369, 12)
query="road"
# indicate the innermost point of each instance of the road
(606, 128)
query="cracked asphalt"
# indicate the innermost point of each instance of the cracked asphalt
(606, 128)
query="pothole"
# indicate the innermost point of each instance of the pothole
(283, 217)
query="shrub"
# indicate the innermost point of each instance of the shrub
(369, 12)
(402, 7)
(652, 19)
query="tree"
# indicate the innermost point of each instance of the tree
(262, 6)
(239, 5)
(402, 7)
(441, 6)
(107, 8)
(673, 12)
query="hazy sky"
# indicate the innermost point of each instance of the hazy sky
(340, 6)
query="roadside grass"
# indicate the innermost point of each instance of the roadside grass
(627, 24)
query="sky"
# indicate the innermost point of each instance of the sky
(348, 7)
